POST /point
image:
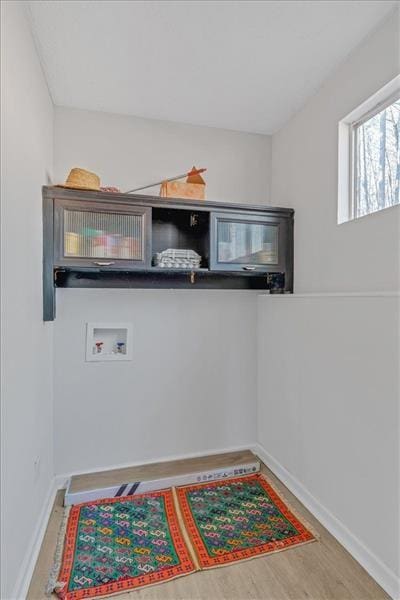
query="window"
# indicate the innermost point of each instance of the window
(376, 160)
(369, 155)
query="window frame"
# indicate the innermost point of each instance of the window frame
(347, 148)
(353, 156)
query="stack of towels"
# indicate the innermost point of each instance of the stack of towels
(177, 259)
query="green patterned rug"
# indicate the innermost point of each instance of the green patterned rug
(237, 519)
(117, 545)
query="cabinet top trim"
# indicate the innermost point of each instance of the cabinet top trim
(157, 201)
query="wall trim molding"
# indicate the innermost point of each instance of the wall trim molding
(384, 576)
(32, 553)
(393, 294)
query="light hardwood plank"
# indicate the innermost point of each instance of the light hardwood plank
(322, 570)
(103, 479)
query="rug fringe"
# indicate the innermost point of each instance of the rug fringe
(52, 582)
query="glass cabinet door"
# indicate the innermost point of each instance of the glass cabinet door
(98, 235)
(245, 243)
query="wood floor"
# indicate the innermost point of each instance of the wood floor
(319, 571)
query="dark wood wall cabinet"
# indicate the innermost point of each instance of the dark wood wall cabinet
(102, 239)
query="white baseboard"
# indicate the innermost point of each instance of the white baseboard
(384, 576)
(32, 553)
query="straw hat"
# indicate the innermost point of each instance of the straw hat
(82, 180)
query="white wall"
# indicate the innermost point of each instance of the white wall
(190, 386)
(328, 414)
(359, 255)
(129, 152)
(27, 410)
(194, 351)
(328, 388)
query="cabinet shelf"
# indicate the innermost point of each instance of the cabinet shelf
(101, 239)
(166, 271)
(179, 270)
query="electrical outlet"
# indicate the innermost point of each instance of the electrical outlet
(36, 467)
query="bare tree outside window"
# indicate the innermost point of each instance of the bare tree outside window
(377, 161)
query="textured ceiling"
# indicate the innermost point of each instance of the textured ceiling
(247, 66)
